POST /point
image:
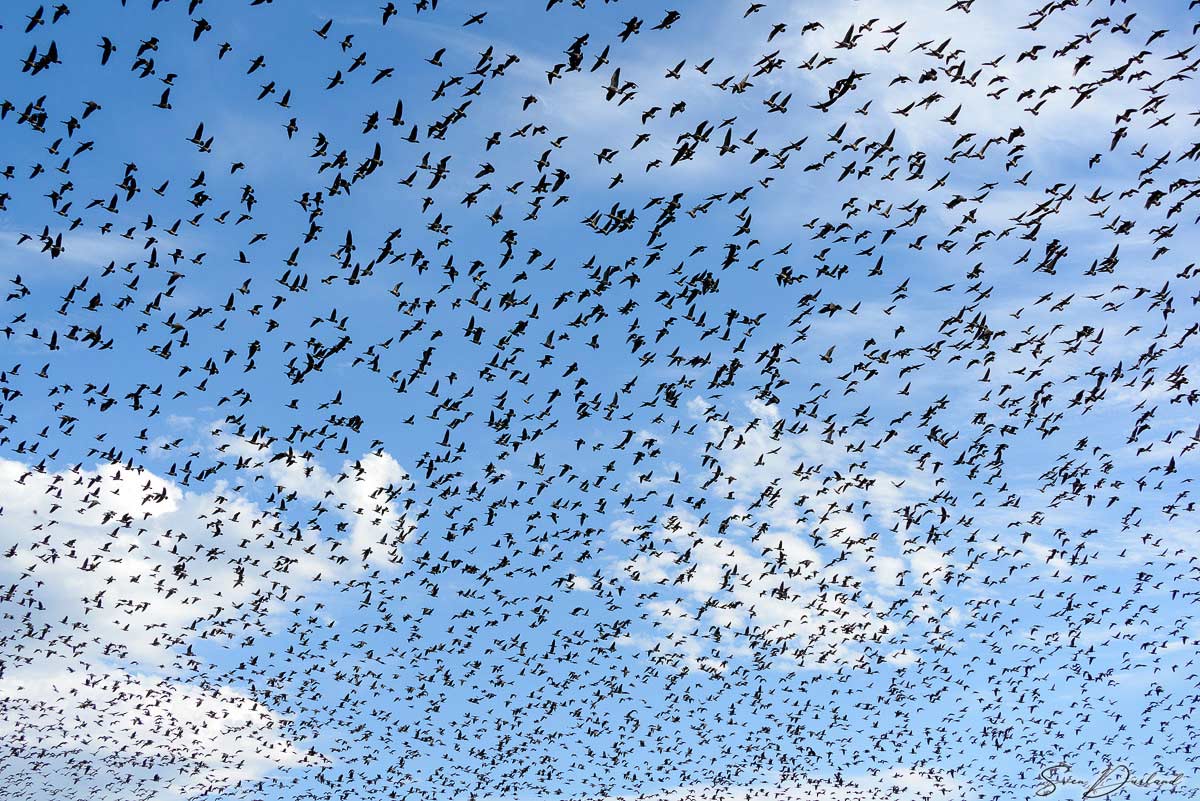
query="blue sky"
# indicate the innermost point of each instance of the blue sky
(867, 475)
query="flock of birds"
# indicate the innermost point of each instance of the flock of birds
(598, 399)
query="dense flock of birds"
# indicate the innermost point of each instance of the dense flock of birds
(598, 399)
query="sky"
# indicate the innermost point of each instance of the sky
(849, 459)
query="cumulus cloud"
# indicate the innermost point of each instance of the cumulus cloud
(112, 577)
(197, 739)
(363, 493)
(809, 559)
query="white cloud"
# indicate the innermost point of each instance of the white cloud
(808, 563)
(362, 492)
(191, 738)
(112, 574)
